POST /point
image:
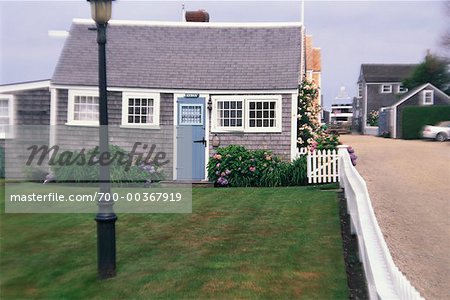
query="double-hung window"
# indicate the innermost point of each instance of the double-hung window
(246, 113)
(428, 97)
(140, 110)
(386, 88)
(83, 107)
(6, 115)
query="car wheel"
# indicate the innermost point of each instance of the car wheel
(441, 137)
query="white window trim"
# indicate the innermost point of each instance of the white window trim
(214, 125)
(156, 110)
(71, 106)
(382, 91)
(278, 118)
(425, 93)
(400, 90)
(245, 118)
(11, 116)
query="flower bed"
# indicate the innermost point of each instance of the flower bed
(237, 166)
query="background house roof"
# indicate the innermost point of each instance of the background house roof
(386, 72)
(200, 56)
(420, 88)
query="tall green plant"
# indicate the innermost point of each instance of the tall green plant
(308, 113)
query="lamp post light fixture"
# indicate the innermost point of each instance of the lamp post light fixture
(105, 218)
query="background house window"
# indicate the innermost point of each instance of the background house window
(428, 97)
(360, 90)
(402, 89)
(229, 113)
(140, 109)
(83, 107)
(386, 88)
(260, 113)
(6, 118)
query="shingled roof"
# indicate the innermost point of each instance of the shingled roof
(200, 56)
(386, 72)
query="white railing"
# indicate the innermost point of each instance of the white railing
(321, 165)
(384, 279)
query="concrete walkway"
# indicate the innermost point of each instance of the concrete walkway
(409, 185)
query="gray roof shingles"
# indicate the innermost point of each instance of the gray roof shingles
(386, 72)
(177, 57)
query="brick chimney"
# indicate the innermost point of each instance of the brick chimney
(197, 16)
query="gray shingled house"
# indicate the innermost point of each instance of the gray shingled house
(182, 87)
(26, 103)
(424, 95)
(379, 85)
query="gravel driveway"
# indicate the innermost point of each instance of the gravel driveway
(409, 185)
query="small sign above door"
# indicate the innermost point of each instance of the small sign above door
(191, 95)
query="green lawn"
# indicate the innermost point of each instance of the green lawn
(237, 243)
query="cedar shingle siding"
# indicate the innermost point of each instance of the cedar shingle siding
(78, 137)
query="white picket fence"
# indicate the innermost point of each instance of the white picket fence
(384, 279)
(322, 165)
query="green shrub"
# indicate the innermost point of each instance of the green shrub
(120, 173)
(236, 166)
(415, 117)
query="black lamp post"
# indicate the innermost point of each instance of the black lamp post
(106, 218)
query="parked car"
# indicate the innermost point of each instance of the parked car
(440, 132)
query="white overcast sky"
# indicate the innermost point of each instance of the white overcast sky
(348, 32)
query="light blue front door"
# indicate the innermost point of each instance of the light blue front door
(191, 140)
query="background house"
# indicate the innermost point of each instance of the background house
(379, 85)
(26, 103)
(23, 107)
(426, 95)
(313, 64)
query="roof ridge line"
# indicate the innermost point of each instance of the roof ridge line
(195, 24)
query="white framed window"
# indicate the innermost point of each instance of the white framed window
(360, 90)
(140, 110)
(83, 108)
(401, 89)
(386, 88)
(428, 97)
(247, 113)
(228, 113)
(6, 115)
